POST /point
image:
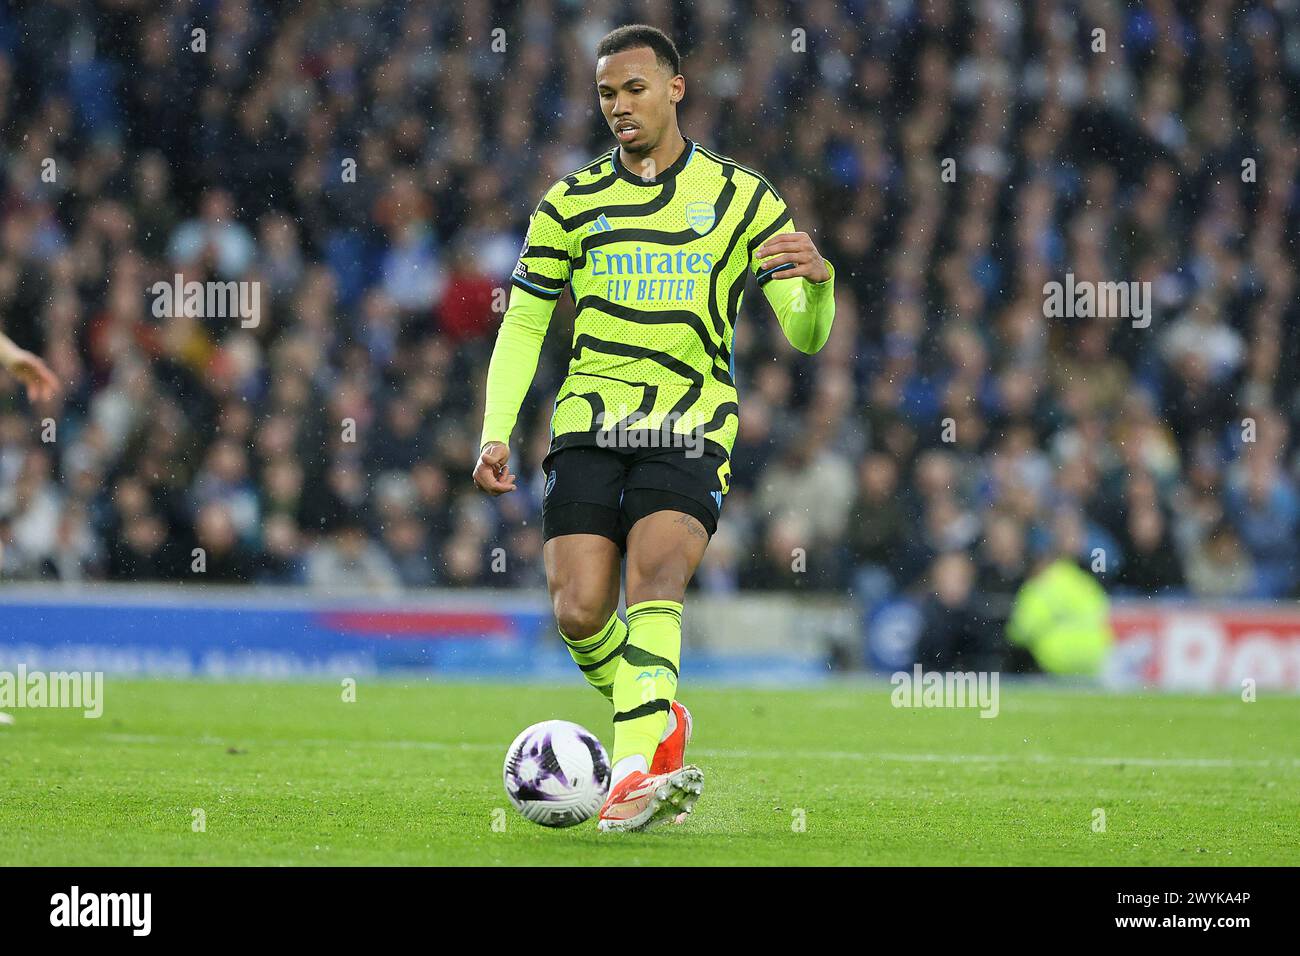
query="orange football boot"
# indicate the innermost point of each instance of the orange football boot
(642, 801)
(670, 755)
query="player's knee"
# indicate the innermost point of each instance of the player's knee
(578, 617)
(656, 581)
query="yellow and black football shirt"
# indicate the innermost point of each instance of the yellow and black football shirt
(657, 268)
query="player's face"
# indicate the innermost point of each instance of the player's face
(638, 96)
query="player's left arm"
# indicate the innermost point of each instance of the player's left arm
(794, 277)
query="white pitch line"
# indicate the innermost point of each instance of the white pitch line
(1194, 762)
(1197, 763)
(397, 744)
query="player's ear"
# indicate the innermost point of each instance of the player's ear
(677, 89)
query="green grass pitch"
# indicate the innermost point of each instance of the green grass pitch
(289, 774)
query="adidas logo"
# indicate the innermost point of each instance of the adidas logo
(600, 225)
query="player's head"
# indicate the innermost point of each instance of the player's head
(639, 83)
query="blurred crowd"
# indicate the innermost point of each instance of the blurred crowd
(372, 164)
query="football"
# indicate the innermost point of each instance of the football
(557, 773)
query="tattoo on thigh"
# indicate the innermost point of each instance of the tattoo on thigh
(692, 525)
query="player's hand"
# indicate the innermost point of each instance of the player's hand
(796, 247)
(492, 473)
(36, 375)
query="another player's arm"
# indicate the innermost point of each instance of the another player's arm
(538, 280)
(28, 368)
(794, 277)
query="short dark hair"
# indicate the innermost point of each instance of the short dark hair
(639, 34)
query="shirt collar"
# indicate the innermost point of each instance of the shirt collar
(678, 165)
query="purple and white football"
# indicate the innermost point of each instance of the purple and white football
(557, 773)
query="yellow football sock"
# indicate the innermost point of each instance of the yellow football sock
(645, 683)
(597, 656)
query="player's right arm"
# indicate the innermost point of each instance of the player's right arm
(538, 280)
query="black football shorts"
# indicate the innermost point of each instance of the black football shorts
(604, 491)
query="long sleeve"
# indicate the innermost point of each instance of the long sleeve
(539, 278)
(805, 309)
(514, 362)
